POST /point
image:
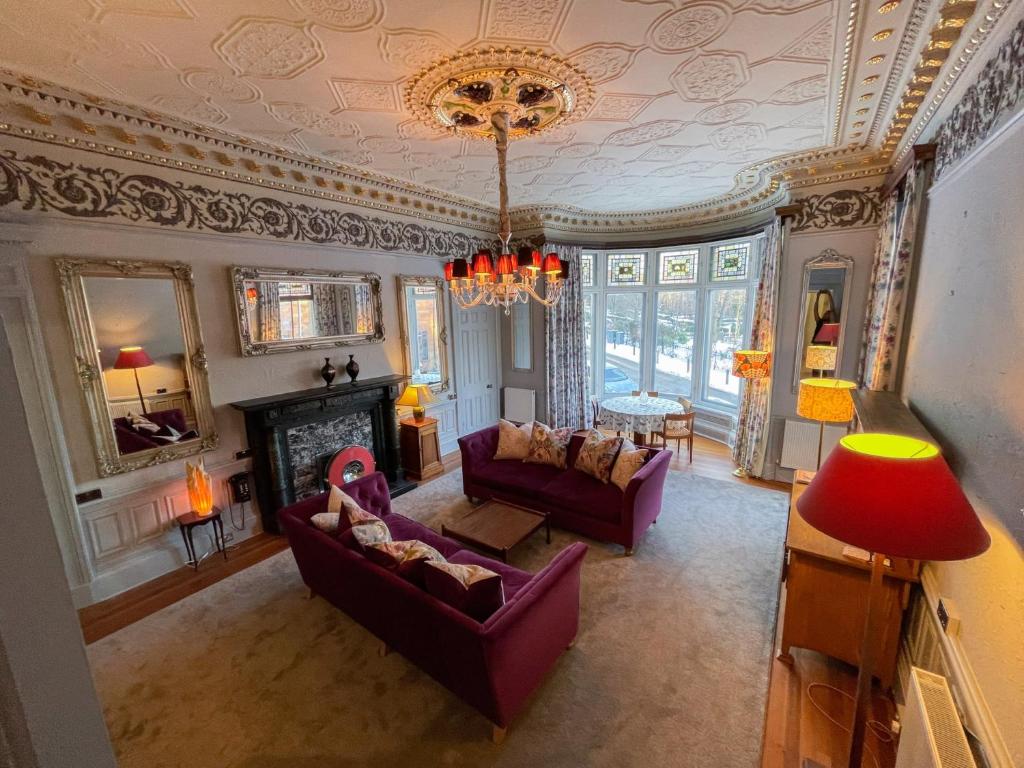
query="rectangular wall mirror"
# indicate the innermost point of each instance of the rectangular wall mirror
(424, 330)
(283, 310)
(823, 317)
(522, 339)
(140, 360)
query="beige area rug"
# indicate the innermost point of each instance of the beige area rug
(670, 666)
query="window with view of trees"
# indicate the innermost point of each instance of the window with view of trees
(671, 319)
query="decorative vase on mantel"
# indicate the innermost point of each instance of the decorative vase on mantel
(328, 372)
(352, 368)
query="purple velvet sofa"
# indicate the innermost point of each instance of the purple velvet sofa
(574, 500)
(130, 440)
(493, 666)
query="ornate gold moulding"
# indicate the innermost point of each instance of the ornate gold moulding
(463, 92)
(49, 113)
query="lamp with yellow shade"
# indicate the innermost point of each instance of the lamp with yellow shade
(417, 396)
(753, 364)
(824, 400)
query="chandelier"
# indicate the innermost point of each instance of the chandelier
(501, 95)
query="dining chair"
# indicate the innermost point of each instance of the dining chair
(678, 427)
(635, 393)
(652, 394)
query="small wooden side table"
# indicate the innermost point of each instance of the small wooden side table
(189, 521)
(421, 448)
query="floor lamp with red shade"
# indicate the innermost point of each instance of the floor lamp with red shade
(893, 496)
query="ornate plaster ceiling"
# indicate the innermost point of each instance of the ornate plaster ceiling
(698, 105)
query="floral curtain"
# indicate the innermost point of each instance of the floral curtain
(566, 350)
(325, 307)
(748, 452)
(890, 281)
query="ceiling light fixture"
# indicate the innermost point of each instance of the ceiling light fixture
(501, 95)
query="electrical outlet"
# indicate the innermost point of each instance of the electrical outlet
(949, 618)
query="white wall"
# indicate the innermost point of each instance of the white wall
(963, 373)
(49, 714)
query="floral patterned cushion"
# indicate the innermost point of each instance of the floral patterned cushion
(472, 589)
(407, 558)
(548, 446)
(513, 441)
(597, 455)
(628, 463)
(326, 521)
(368, 534)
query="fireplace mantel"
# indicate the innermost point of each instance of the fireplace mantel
(280, 427)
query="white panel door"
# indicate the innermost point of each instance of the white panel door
(476, 367)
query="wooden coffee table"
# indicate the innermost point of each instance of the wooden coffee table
(497, 526)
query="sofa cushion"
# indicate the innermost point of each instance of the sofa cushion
(516, 476)
(403, 528)
(630, 460)
(512, 579)
(578, 492)
(548, 446)
(406, 558)
(472, 589)
(326, 521)
(597, 455)
(513, 441)
(368, 534)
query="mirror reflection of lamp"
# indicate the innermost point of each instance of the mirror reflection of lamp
(821, 357)
(134, 358)
(252, 295)
(200, 488)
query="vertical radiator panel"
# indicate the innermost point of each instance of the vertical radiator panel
(519, 404)
(800, 443)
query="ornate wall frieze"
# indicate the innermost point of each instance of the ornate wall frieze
(88, 192)
(997, 93)
(840, 209)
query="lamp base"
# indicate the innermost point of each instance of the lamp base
(419, 412)
(740, 472)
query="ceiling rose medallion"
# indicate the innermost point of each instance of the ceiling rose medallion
(501, 95)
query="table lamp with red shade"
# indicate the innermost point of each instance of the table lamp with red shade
(893, 496)
(134, 358)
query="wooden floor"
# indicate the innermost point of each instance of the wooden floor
(794, 729)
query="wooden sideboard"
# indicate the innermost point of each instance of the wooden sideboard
(827, 597)
(826, 593)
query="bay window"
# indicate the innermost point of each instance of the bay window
(670, 319)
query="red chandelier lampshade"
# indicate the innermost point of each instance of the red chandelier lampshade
(893, 495)
(552, 264)
(449, 269)
(132, 357)
(533, 263)
(482, 263)
(460, 268)
(506, 264)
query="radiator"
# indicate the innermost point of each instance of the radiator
(932, 735)
(800, 443)
(520, 405)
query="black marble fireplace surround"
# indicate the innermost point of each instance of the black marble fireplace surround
(290, 434)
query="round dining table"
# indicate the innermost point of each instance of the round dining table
(637, 414)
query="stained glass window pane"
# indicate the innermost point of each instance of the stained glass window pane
(678, 267)
(626, 268)
(587, 269)
(730, 262)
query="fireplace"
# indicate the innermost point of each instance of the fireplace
(291, 435)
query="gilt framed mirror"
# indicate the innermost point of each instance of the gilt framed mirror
(424, 330)
(823, 316)
(140, 360)
(285, 310)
